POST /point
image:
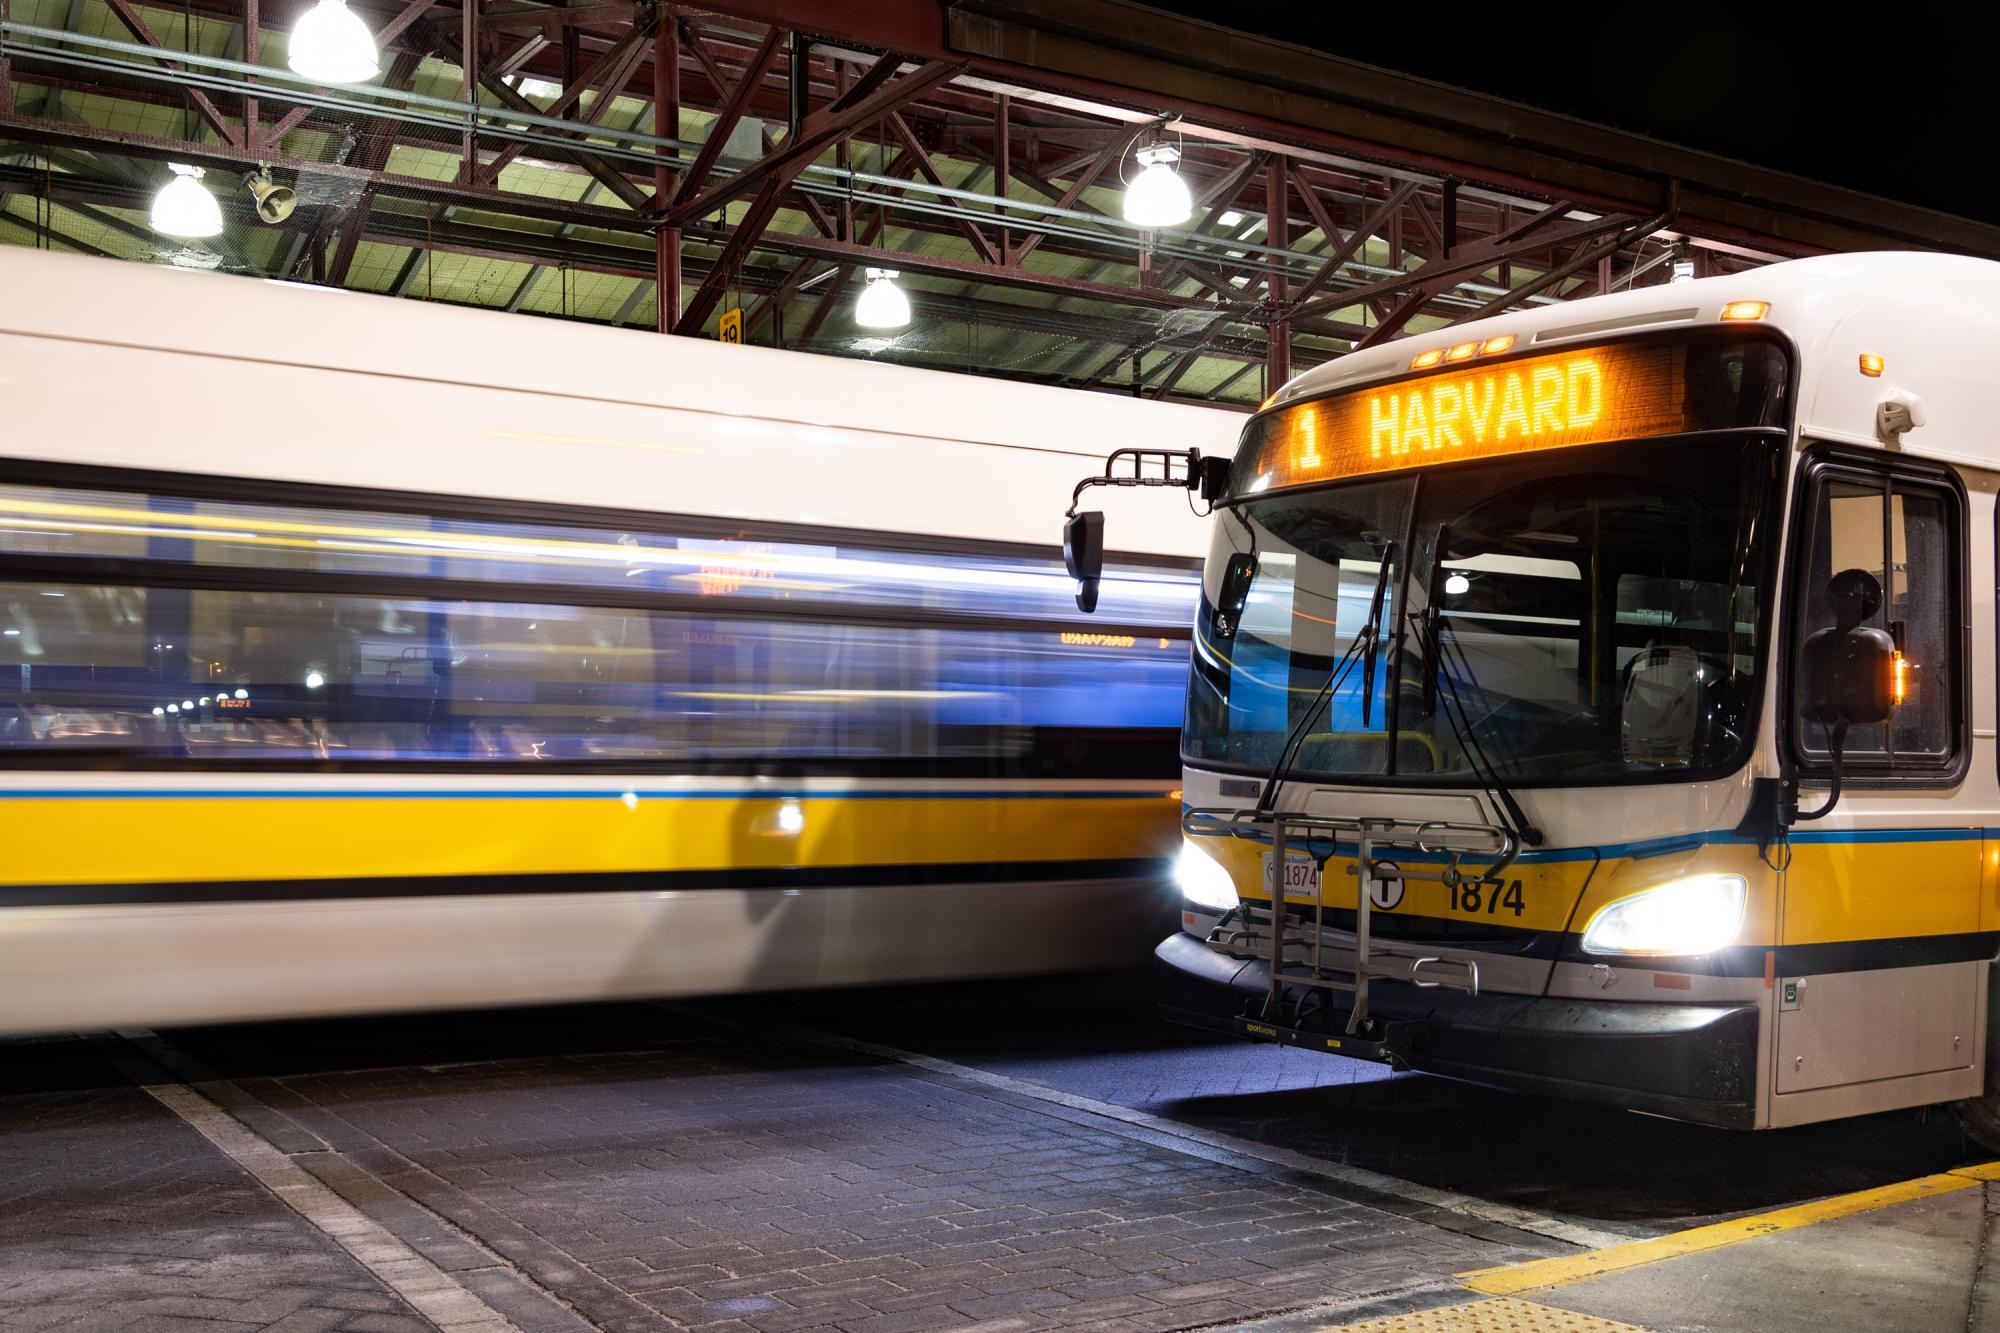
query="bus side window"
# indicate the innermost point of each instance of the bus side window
(1906, 532)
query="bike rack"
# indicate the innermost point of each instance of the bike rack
(1371, 837)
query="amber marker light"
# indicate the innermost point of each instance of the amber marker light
(1899, 679)
(1871, 364)
(1463, 352)
(1746, 310)
(1495, 346)
(1425, 360)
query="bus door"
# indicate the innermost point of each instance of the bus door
(1881, 970)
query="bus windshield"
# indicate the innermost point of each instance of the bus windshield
(1575, 617)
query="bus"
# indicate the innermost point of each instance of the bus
(361, 655)
(1599, 700)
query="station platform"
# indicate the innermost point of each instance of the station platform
(931, 1159)
(1916, 1255)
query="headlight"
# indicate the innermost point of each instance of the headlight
(1679, 919)
(1204, 883)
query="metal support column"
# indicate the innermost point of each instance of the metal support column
(667, 125)
(6, 71)
(468, 46)
(252, 134)
(1277, 207)
(1003, 106)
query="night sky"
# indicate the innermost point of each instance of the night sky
(1899, 100)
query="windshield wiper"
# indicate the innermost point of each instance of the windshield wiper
(1430, 629)
(1365, 646)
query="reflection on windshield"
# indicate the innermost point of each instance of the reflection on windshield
(1583, 618)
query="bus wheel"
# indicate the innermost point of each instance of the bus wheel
(1980, 1118)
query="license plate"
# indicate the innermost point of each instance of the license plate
(1301, 875)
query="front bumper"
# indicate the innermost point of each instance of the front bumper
(1689, 1061)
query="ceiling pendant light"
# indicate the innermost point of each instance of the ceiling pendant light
(882, 304)
(1158, 197)
(184, 207)
(332, 45)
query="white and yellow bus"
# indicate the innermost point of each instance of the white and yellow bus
(1611, 688)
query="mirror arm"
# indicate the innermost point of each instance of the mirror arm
(1207, 476)
(1835, 739)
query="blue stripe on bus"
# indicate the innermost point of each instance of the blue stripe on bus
(1687, 842)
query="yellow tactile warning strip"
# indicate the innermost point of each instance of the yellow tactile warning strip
(1595, 1263)
(1497, 1315)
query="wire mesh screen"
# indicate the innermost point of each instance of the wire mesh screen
(517, 191)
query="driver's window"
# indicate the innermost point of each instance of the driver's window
(1903, 532)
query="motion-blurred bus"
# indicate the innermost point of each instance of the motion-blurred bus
(359, 655)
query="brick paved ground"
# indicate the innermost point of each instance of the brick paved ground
(1096, 1037)
(115, 1215)
(628, 1169)
(738, 1187)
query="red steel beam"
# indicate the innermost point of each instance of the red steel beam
(822, 128)
(725, 120)
(608, 73)
(129, 16)
(969, 229)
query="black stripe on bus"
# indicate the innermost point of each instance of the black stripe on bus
(1053, 754)
(1405, 931)
(1809, 960)
(624, 881)
(542, 513)
(115, 572)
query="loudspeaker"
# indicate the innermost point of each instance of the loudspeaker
(274, 201)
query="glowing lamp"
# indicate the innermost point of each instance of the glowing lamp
(184, 207)
(1746, 310)
(1158, 197)
(332, 45)
(882, 304)
(1871, 365)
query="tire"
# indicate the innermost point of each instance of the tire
(1980, 1116)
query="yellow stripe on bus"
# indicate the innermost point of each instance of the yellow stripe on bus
(137, 839)
(1833, 892)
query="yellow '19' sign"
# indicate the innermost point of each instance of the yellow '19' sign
(1621, 391)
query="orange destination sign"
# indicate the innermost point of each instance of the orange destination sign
(1624, 391)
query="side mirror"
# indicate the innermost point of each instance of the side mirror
(1083, 556)
(1850, 672)
(1233, 596)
